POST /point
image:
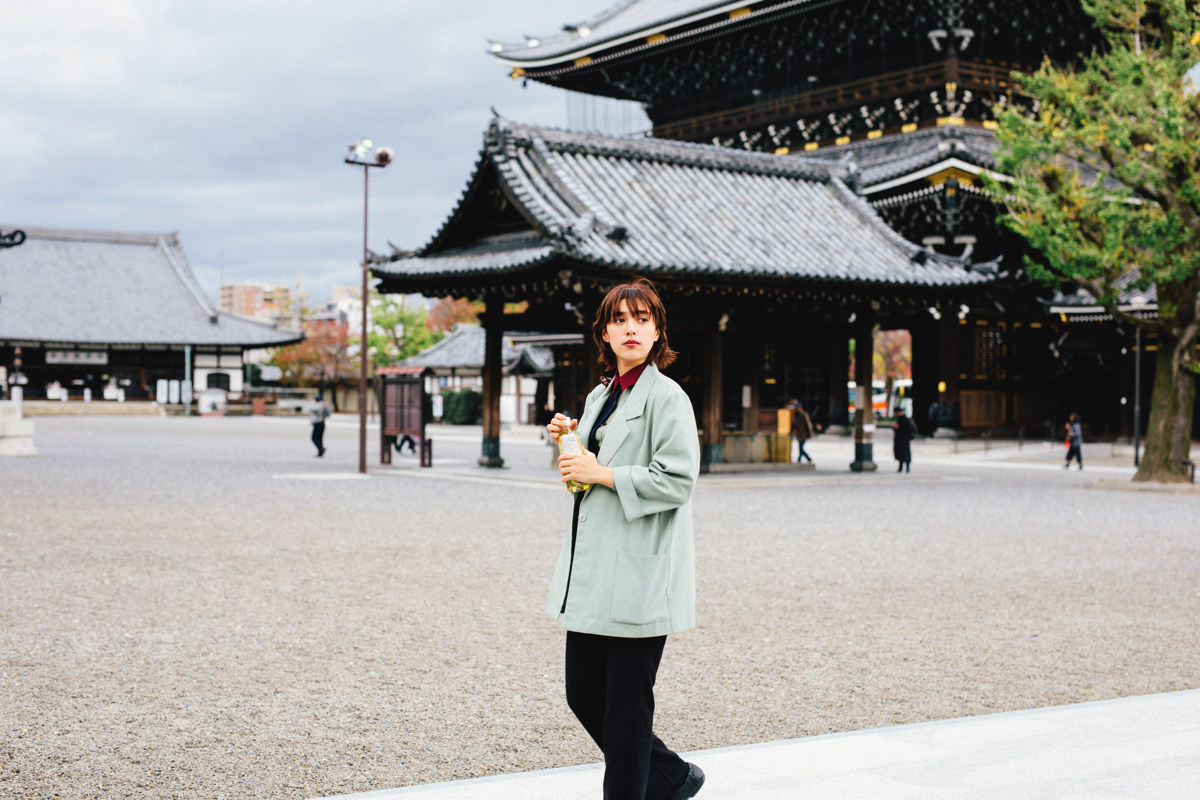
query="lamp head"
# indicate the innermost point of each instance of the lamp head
(362, 147)
(384, 156)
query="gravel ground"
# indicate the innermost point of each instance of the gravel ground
(177, 622)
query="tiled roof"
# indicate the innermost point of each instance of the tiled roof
(1127, 298)
(464, 349)
(630, 18)
(93, 287)
(889, 160)
(664, 207)
(493, 253)
(889, 157)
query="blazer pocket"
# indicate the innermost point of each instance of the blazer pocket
(639, 595)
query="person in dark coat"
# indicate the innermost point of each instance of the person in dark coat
(901, 442)
(802, 428)
(1074, 441)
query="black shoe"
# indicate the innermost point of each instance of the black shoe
(691, 786)
(321, 452)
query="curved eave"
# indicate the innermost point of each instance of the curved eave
(292, 337)
(527, 60)
(272, 336)
(948, 278)
(401, 272)
(953, 278)
(933, 169)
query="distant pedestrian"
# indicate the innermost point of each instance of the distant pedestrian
(1074, 442)
(902, 437)
(318, 412)
(802, 428)
(406, 439)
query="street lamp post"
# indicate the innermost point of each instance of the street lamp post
(358, 157)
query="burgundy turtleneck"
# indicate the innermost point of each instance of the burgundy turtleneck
(619, 384)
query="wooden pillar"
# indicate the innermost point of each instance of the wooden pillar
(713, 400)
(1125, 432)
(520, 419)
(753, 379)
(864, 419)
(541, 397)
(589, 372)
(924, 374)
(493, 324)
(949, 418)
(839, 370)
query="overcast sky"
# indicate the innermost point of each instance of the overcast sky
(228, 121)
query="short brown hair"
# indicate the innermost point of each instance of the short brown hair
(640, 295)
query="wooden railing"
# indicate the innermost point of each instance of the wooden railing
(967, 75)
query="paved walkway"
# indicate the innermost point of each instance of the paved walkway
(1138, 747)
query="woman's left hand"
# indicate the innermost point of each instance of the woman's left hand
(584, 467)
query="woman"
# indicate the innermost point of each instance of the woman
(901, 442)
(626, 575)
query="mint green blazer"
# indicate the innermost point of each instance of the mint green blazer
(634, 572)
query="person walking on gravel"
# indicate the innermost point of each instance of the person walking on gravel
(1074, 441)
(802, 428)
(626, 574)
(318, 412)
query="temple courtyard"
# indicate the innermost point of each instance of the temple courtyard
(199, 607)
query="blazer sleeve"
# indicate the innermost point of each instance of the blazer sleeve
(667, 482)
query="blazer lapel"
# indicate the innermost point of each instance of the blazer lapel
(618, 423)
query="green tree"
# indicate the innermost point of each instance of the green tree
(1105, 168)
(400, 329)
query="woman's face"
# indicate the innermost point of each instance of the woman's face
(631, 334)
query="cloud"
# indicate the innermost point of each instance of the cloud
(228, 121)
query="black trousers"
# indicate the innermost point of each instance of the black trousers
(610, 687)
(318, 437)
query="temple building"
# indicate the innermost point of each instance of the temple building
(108, 315)
(787, 75)
(813, 175)
(768, 266)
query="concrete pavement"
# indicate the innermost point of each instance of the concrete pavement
(1138, 747)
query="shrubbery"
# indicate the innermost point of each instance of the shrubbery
(464, 407)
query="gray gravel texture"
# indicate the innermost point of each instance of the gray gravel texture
(176, 622)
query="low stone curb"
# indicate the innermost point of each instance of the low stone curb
(762, 466)
(78, 408)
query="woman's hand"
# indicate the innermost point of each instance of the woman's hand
(584, 467)
(560, 425)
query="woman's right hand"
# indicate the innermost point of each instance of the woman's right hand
(559, 425)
